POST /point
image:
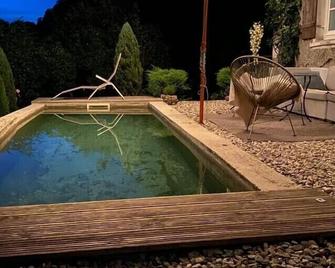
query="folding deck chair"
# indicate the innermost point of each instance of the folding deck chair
(106, 82)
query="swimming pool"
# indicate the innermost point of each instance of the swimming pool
(59, 158)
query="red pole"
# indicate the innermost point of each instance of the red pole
(203, 80)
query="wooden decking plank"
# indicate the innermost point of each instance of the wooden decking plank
(183, 236)
(42, 223)
(187, 220)
(186, 208)
(153, 227)
(159, 201)
(97, 227)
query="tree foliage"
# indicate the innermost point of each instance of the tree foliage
(130, 72)
(223, 82)
(4, 108)
(282, 17)
(73, 42)
(223, 77)
(8, 80)
(167, 81)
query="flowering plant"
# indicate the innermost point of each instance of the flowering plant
(256, 34)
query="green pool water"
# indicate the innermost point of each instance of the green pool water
(71, 158)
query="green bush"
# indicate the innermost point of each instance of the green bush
(167, 81)
(8, 80)
(4, 108)
(223, 82)
(129, 75)
(223, 78)
(169, 90)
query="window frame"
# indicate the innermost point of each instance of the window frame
(329, 34)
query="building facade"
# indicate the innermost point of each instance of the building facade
(317, 37)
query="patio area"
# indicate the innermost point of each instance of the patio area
(307, 159)
(270, 128)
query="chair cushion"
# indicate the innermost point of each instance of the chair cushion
(330, 81)
(316, 94)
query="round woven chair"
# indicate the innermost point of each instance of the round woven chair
(261, 84)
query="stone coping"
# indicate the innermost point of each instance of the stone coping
(246, 165)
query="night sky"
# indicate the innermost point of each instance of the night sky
(180, 22)
(27, 10)
(228, 31)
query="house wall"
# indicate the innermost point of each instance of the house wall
(315, 57)
(318, 51)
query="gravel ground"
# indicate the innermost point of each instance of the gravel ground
(310, 163)
(285, 254)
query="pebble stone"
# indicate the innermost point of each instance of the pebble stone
(289, 254)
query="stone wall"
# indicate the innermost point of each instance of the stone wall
(315, 57)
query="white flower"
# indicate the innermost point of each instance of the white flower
(256, 34)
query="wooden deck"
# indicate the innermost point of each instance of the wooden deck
(164, 222)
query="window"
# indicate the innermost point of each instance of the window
(324, 36)
(331, 20)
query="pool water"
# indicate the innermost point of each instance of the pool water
(71, 158)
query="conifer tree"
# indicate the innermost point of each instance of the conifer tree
(129, 75)
(4, 109)
(8, 80)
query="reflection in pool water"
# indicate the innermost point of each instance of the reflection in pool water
(70, 158)
(104, 125)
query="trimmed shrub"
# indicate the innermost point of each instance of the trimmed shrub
(8, 80)
(223, 82)
(223, 77)
(169, 90)
(129, 75)
(167, 81)
(4, 108)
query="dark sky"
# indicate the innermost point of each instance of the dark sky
(28, 10)
(181, 25)
(228, 30)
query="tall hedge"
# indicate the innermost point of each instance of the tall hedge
(4, 109)
(8, 80)
(129, 75)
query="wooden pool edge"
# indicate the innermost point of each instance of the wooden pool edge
(11, 123)
(247, 167)
(131, 104)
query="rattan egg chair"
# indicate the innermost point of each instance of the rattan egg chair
(261, 84)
